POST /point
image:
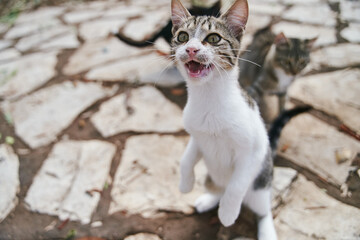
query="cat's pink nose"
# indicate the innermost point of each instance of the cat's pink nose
(192, 51)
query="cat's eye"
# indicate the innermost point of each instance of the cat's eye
(213, 38)
(183, 37)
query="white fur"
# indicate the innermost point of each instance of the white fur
(231, 138)
(284, 79)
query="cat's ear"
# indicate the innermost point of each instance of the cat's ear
(236, 17)
(281, 40)
(310, 42)
(178, 14)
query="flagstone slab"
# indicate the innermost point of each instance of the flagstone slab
(147, 178)
(254, 23)
(3, 27)
(282, 181)
(150, 23)
(157, 3)
(143, 236)
(8, 54)
(9, 180)
(311, 214)
(351, 33)
(65, 41)
(312, 14)
(338, 56)
(43, 36)
(312, 144)
(325, 35)
(42, 14)
(41, 116)
(150, 68)
(124, 11)
(27, 28)
(144, 109)
(25, 74)
(301, 2)
(81, 15)
(91, 5)
(131, 70)
(267, 8)
(257, 22)
(98, 52)
(99, 29)
(5, 43)
(70, 180)
(336, 93)
(350, 10)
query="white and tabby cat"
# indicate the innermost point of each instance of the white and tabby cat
(224, 123)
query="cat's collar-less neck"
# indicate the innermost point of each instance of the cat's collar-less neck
(217, 82)
(216, 90)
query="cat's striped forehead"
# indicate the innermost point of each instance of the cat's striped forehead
(205, 22)
(202, 25)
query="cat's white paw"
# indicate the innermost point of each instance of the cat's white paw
(206, 202)
(186, 184)
(228, 213)
(227, 218)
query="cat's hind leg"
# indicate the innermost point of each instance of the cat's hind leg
(209, 200)
(259, 201)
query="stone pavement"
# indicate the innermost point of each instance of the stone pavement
(91, 132)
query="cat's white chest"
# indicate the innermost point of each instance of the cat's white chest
(223, 133)
(284, 79)
(219, 153)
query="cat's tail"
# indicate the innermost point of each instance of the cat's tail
(147, 42)
(133, 42)
(280, 122)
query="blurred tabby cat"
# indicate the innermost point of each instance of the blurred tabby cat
(281, 60)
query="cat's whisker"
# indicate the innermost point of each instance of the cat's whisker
(223, 70)
(170, 63)
(241, 50)
(215, 65)
(246, 60)
(239, 58)
(165, 58)
(222, 55)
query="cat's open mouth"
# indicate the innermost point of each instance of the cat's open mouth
(198, 70)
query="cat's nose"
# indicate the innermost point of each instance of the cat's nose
(192, 51)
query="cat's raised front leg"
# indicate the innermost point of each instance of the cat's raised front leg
(230, 203)
(191, 156)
